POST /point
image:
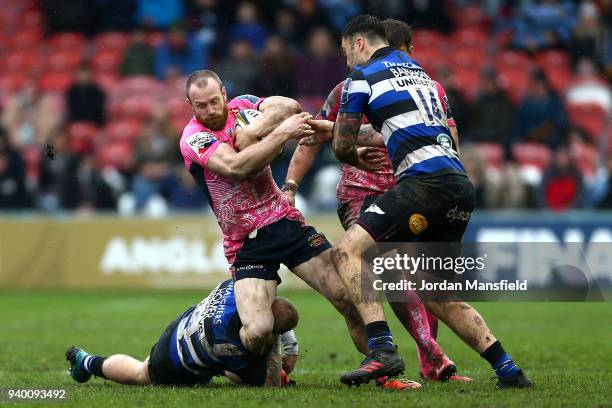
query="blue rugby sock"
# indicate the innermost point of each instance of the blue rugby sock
(379, 335)
(500, 361)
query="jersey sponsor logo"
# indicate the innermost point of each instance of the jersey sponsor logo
(445, 141)
(454, 214)
(316, 239)
(375, 209)
(246, 117)
(417, 223)
(200, 141)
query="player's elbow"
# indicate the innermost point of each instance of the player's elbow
(289, 106)
(343, 154)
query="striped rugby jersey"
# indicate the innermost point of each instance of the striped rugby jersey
(402, 103)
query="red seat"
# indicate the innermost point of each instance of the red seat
(467, 58)
(427, 39)
(178, 107)
(467, 16)
(67, 41)
(515, 83)
(112, 41)
(553, 59)
(107, 60)
(55, 81)
(27, 39)
(586, 157)
(109, 81)
(468, 82)
(64, 60)
(470, 37)
(31, 155)
(492, 153)
(22, 61)
(11, 82)
(135, 106)
(127, 129)
(147, 85)
(559, 78)
(590, 117)
(117, 154)
(511, 59)
(81, 136)
(532, 154)
(31, 19)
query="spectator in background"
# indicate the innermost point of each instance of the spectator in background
(138, 57)
(588, 35)
(309, 15)
(248, 27)
(239, 69)
(600, 194)
(341, 11)
(460, 107)
(13, 193)
(72, 182)
(541, 116)
(159, 14)
(544, 23)
(181, 51)
(185, 194)
(419, 13)
(30, 117)
(493, 114)
(275, 72)
(562, 184)
(589, 87)
(206, 18)
(84, 98)
(286, 28)
(475, 167)
(69, 15)
(116, 15)
(320, 68)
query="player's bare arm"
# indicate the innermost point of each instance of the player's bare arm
(274, 109)
(226, 162)
(455, 135)
(346, 131)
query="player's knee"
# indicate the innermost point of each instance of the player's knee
(142, 378)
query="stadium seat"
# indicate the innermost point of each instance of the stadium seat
(178, 107)
(127, 129)
(559, 78)
(109, 81)
(467, 16)
(469, 37)
(586, 158)
(27, 39)
(67, 40)
(492, 153)
(427, 39)
(590, 117)
(468, 82)
(532, 154)
(134, 106)
(107, 60)
(553, 59)
(511, 59)
(64, 60)
(81, 136)
(467, 58)
(11, 82)
(112, 41)
(515, 82)
(55, 81)
(146, 85)
(31, 19)
(22, 61)
(117, 154)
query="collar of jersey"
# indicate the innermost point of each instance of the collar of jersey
(381, 52)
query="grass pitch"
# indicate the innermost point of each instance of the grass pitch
(564, 347)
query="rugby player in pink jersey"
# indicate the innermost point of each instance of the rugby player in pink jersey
(260, 228)
(359, 188)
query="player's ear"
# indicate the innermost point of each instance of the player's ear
(410, 50)
(224, 93)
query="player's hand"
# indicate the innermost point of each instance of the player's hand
(290, 196)
(289, 362)
(296, 126)
(323, 132)
(371, 159)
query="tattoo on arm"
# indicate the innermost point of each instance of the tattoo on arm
(369, 137)
(346, 132)
(274, 367)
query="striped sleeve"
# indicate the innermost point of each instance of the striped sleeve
(355, 93)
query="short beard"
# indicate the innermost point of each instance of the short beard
(218, 122)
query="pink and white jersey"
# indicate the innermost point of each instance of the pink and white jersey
(240, 206)
(356, 183)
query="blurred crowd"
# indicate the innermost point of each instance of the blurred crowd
(102, 82)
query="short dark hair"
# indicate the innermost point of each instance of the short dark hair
(200, 79)
(285, 315)
(366, 25)
(398, 33)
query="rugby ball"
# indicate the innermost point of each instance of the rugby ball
(246, 117)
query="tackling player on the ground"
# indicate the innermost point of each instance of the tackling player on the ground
(358, 189)
(401, 102)
(201, 343)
